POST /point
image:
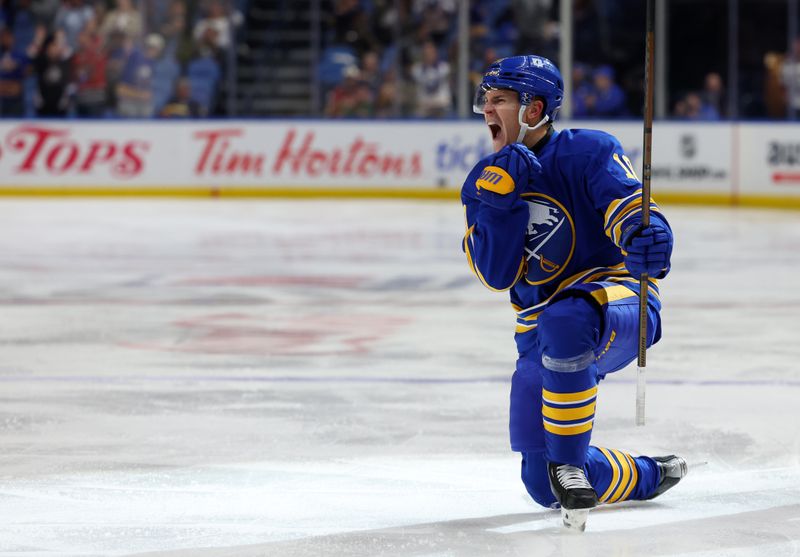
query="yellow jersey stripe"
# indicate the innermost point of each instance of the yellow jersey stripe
(531, 317)
(568, 398)
(612, 207)
(564, 414)
(621, 214)
(614, 475)
(524, 328)
(616, 231)
(612, 294)
(625, 467)
(567, 430)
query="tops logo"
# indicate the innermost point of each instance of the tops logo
(51, 150)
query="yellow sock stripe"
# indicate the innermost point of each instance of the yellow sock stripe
(614, 475)
(568, 398)
(567, 430)
(634, 479)
(625, 467)
(564, 414)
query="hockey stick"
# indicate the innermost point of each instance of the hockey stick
(649, 71)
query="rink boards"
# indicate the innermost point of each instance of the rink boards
(719, 163)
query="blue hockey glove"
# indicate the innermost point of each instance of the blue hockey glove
(647, 250)
(505, 174)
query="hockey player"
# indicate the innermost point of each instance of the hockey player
(555, 218)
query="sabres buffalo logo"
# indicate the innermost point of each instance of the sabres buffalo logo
(549, 239)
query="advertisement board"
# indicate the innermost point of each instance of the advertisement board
(770, 160)
(362, 157)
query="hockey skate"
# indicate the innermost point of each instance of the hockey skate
(574, 493)
(671, 469)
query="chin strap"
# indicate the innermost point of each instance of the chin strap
(525, 128)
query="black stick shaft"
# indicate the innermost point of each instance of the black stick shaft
(649, 78)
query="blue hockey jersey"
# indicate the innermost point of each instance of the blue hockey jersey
(564, 229)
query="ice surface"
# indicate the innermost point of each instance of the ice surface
(246, 378)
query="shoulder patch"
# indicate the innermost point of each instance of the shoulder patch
(494, 178)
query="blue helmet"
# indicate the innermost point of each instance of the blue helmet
(530, 76)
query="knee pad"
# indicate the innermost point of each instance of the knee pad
(534, 476)
(569, 331)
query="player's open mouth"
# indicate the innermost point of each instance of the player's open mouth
(495, 130)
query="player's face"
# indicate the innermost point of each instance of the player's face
(501, 113)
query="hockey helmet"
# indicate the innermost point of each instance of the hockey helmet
(529, 76)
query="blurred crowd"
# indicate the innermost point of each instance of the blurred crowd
(376, 58)
(113, 58)
(383, 58)
(398, 58)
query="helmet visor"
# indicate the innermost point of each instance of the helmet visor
(479, 101)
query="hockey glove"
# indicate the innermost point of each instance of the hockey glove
(505, 174)
(647, 250)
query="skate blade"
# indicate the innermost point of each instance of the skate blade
(574, 519)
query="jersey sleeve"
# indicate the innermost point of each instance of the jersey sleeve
(494, 242)
(616, 191)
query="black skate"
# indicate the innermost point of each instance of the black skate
(671, 469)
(574, 492)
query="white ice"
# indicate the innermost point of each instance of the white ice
(285, 378)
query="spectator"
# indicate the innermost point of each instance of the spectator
(386, 98)
(204, 74)
(71, 18)
(89, 75)
(165, 74)
(693, 108)
(583, 93)
(125, 19)
(713, 94)
(432, 78)
(609, 99)
(352, 26)
(181, 105)
(135, 88)
(364, 106)
(479, 65)
(216, 29)
(173, 27)
(790, 77)
(540, 32)
(53, 72)
(370, 69)
(25, 24)
(434, 19)
(343, 98)
(14, 66)
(45, 11)
(118, 49)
